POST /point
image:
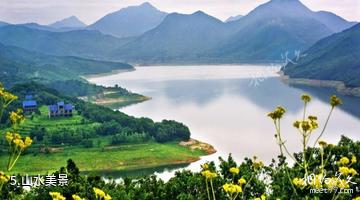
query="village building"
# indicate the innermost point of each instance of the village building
(60, 110)
(29, 105)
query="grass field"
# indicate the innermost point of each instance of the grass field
(102, 156)
(115, 99)
(122, 157)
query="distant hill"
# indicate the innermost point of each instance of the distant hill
(17, 64)
(82, 43)
(233, 18)
(267, 32)
(334, 22)
(336, 57)
(3, 24)
(264, 35)
(272, 29)
(130, 21)
(70, 22)
(178, 37)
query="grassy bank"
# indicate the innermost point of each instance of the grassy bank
(122, 157)
(115, 98)
(43, 157)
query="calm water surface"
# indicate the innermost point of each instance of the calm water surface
(226, 106)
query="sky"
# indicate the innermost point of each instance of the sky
(48, 11)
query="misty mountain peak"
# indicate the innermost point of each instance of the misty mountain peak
(71, 21)
(130, 21)
(147, 5)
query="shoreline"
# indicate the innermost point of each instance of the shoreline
(179, 154)
(338, 85)
(89, 76)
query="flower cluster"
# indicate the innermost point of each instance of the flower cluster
(6, 97)
(322, 143)
(57, 196)
(299, 182)
(76, 197)
(241, 181)
(17, 117)
(344, 166)
(208, 174)
(101, 194)
(277, 113)
(3, 178)
(234, 170)
(306, 126)
(14, 139)
(333, 183)
(17, 144)
(335, 101)
(306, 98)
(257, 164)
(232, 188)
(262, 197)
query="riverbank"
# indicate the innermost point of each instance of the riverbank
(338, 85)
(115, 99)
(111, 158)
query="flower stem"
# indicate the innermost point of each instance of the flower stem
(212, 189)
(207, 189)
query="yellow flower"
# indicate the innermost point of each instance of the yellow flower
(257, 164)
(306, 98)
(3, 178)
(76, 197)
(335, 101)
(317, 181)
(232, 188)
(277, 113)
(263, 197)
(344, 161)
(57, 196)
(28, 141)
(107, 197)
(241, 181)
(322, 143)
(297, 123)
(344, 170)
(9, 137)
(17, 117)
(352, 171)
(205, 166)
(331, 183)
(353, 159)
(299, 182)
(99, 193)
(357, 198)
(342, 184)
(208, 174)
(7, 97)
(234, 170)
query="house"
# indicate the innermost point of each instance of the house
(60, 110)
(29, 105)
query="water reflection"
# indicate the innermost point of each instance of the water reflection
(223, 108)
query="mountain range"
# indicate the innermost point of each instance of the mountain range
(81, 43)
(130, 21)
(143, 34)
(263, 35)
(70, 22)
(336, 57)
(17, 64)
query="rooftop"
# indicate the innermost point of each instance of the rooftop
(29, 103)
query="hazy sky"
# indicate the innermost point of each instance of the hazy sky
(48, 11)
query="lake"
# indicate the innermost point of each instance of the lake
(227, 107)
